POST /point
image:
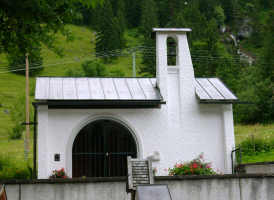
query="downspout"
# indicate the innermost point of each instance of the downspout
(34, 173)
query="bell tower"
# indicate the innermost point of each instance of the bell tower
(174, 72)
(173, 59)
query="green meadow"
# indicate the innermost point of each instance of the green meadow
(75, 52)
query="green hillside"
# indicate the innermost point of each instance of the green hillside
(80, 49)
(12, 86)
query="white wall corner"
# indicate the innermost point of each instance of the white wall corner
(42, 118)
(161, 63)
(229, 138)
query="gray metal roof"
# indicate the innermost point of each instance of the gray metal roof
(67, 88)
(210, 90)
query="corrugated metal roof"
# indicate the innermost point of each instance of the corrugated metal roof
(66, 88)
(213, 90)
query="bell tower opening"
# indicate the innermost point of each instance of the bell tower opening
(171, 51)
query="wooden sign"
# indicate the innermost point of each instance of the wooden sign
(3, 195)
(139, 173)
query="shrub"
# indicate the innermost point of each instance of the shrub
(94, 68)
(17, 113)
(4, 161)
(16, 58)
(59, 174)
(15, 173)
(16, 132)
(116, 73)
(74, 73)
(252, 146)
(9, 171)
(195, 167)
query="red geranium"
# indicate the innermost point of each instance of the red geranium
(59, 174)
(195, 167)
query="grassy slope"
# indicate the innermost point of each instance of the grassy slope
(11, 85)
(265, 132)
(242, 132)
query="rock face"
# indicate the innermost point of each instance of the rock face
(245, 29)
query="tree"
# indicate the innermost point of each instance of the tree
(16, 59)
(120, 14)
(109, 34)
(133, 13)
(93, 68)
(149, 20)
(219, 15)
(265, 75)
(190, 16)
(230, 9)
(28, 24)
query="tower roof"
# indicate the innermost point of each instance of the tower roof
(171, 30)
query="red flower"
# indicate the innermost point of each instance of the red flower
(195, 165)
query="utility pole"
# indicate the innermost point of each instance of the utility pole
(27, 135)
(133, 64)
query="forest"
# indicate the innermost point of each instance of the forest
(230, 39)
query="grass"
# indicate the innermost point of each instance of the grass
(75, 52)
(242, 132)
(260, 157)
(265, 132)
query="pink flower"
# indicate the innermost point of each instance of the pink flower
(179, 165)
(201, 156)
(208, 166)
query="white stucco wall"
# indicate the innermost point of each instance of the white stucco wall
(180, 130)
(153, 129)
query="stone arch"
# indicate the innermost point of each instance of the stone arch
(90, 120)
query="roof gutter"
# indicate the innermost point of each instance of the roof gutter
(224, 102)
(95, 104)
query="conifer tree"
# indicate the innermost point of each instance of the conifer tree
(133, 12)
(148, 21)
(120, 14)
(109, 34)
(265, 75)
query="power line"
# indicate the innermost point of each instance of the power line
(140, 50)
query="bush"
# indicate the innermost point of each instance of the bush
(94, 68)
(9, 171)
(74, 73)
(195, 167)
(15, 173)
(3, 162)
(253, 146)
(17, 113)
(16, 132)
(17, 60)
(116, 73)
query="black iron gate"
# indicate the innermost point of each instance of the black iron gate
(101, 149)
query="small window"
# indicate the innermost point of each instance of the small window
(171, 51)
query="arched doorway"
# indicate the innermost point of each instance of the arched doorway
(101, 148)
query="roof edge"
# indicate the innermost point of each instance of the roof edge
(171, 30)
(96, 104)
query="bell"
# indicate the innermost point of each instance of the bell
(171, 47)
